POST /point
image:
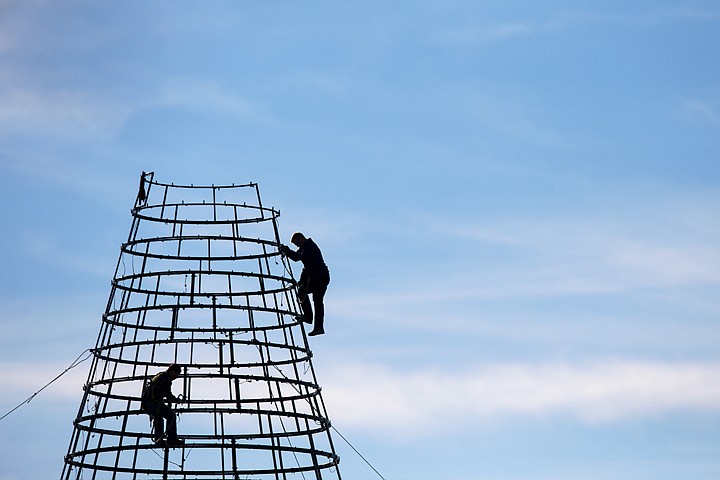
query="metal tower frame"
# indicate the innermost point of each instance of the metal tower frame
(200, 282)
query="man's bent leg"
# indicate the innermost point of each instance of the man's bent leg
(167, 413)
(158, 426)
(304, 297)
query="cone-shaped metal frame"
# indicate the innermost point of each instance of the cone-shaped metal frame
(200, 282)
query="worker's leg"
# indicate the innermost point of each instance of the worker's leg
(166, 412)
(158, 424)
(320, 287)
(304, 297)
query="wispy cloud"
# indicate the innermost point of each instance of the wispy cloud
(554, 259)
(602, 254)
(377, 398)
(706, 12)
(57, 112)
(487, 33)
(79, 99)
(95, 112)
(380, 399)
(665, 253)
(200, 94)
(46, 251)
(80, 176)
(700, 110)
(21, 380)
(561, 20)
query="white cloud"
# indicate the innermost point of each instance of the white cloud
(79, 176)
(530, 24)
(535, 261)
(21, 380)
(665, 247)
(602, 255)
(46, 251)
(206, 95)
(97, 112)
(700, 110)
(379, 398)
(58, 112)
(492, 32)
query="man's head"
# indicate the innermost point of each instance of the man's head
(298, 239)
(174, 371)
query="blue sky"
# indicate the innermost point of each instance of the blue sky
(518, 202)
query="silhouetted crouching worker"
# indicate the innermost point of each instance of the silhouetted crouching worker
(314, 279)
(155, 391)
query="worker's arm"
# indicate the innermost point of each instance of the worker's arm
(290, 253)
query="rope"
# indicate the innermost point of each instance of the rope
(312, 407)
(288, 439)
(356, 451)
(74, 364)
(288, 270)
(78, 361)
(184, 458)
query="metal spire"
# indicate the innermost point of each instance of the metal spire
(200, 282)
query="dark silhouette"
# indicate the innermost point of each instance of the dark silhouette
(314, 279)
(155, 391)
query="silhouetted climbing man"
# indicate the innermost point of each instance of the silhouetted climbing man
(314, 279)
(155, 391)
